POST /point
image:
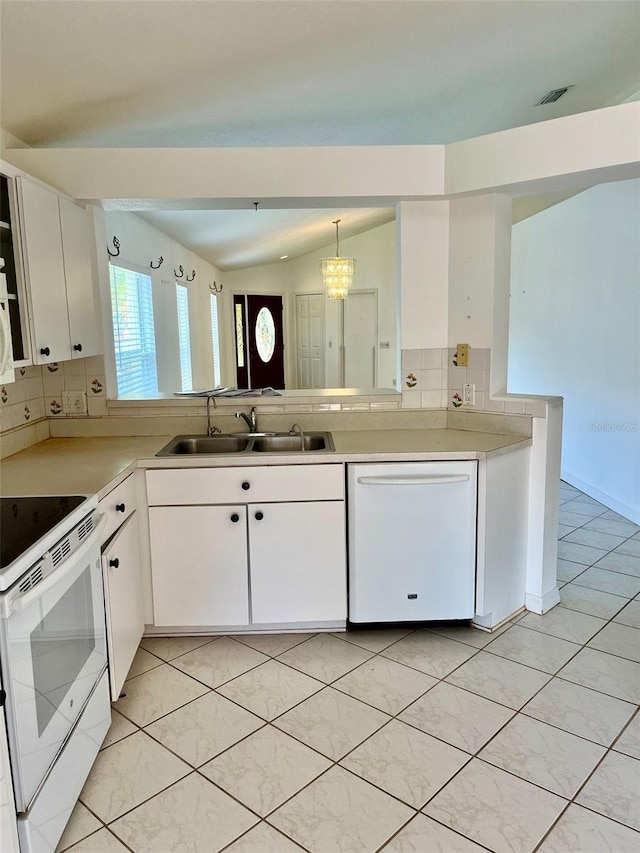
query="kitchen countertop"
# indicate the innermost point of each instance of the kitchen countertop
(96, 465)
(75, 465)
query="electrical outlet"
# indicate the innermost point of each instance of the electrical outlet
(468, 394)
(74, 402)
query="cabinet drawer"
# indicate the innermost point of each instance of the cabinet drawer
(245, 485)
(118, 505)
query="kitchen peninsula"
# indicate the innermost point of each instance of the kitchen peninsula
(100, 465)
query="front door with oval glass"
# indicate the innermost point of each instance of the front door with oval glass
(259, 341)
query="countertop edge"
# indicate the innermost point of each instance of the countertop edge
(34, 460)
(240, 460)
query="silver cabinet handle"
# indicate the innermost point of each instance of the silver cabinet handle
(414, 480)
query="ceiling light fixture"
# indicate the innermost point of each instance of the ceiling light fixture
(337, 273)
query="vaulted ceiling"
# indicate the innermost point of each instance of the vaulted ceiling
(207, 73)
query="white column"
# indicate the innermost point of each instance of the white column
(423, 256)
(544, 496)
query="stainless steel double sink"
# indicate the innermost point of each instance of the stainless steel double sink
(279, 442)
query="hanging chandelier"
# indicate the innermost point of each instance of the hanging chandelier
(337, 273)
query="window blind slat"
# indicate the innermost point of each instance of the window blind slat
(215, 340)
(134, 335)
(184, 338)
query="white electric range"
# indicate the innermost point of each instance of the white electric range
(52, 656)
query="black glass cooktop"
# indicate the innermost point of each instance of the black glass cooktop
(25, 520)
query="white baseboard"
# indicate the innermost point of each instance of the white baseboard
(542, 603)
(617, 506)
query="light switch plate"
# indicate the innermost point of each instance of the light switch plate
(463, 355)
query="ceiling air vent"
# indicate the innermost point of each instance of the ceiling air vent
(554, 95)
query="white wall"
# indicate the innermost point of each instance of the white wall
(575, 332)
(141, 244)
(423, 269)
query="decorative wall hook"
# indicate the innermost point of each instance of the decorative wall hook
(215, 288)
(158, 265)
(179, 274)
(193, 275)
(116, 246)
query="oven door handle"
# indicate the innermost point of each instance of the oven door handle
(21, 602)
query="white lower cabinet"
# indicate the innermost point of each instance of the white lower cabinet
(272, 560)
(123, 598)
(199, 565)
(298, 562)
(122, 571)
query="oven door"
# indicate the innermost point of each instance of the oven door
(53, 654)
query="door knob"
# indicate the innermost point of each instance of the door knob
(115, 563)
(259, 516)
(235, 517)
(246, 486)
(45, 351)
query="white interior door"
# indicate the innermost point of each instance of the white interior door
(310, 340)
(360, 339)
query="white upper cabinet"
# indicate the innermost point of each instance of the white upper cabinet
(58, 246)
(44, 272)
(82, 304)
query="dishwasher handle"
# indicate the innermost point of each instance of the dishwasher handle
(413, 479)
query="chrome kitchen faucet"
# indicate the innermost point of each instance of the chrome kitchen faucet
(251, 419)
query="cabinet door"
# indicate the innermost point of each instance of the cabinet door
(82, 303)
(44, 266)
(297, 556)
(199, 565)
(123, 600)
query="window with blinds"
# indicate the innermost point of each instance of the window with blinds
(215, 340)
(184, 338)
(133, 331)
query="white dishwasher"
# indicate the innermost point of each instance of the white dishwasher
(412, 541)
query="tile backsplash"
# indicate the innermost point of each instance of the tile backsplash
(31, 408)
(86, 375)
(36, 395)
(22, 401)
(432, 379)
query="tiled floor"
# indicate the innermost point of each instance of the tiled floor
(446, 740)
